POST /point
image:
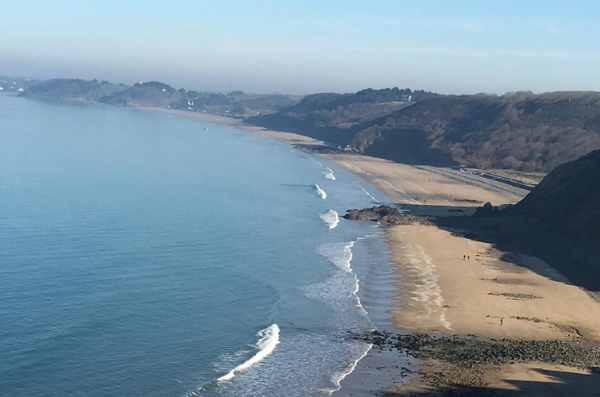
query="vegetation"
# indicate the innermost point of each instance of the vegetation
(16, 84)
(531, 178)
(520, 131)
(156, 94)
(74, 89)
(335, 117)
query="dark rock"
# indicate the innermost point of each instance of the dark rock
(468, 352)
(385, 215)
(568, 198)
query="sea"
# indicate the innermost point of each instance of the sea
(144, 254)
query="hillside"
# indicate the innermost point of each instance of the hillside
(236, 103)
(335, 117)
(156, 94)
(151, 93)
(568, 198)
(73, 89)
(520, 131)
(16, 84)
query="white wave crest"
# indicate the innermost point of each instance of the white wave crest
(315, 161)
(268, 340)
(329, 174)
(320, 192)
(337, 378)
(367, 193)
(331, 219)
(340, 254)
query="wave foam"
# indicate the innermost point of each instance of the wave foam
(340, 254)
(331, 219)
(367, 193)
(268, 340)
(329, 174)
(311, 158)
(320, 192)
(337, 378)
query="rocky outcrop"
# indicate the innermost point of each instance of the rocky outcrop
(385, 215)
(489, 211)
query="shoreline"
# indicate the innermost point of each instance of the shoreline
(518, 296)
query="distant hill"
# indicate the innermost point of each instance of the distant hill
(74, 89)
(151, 93)
(156, 94)
(334, 117)
(16, 84)
(236, 103)
(520, 131)
(568, 198)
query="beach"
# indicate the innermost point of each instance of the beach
(452, 285)
(449, 284)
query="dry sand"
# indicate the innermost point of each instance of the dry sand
(286, 137)
(406, 184)
(519, 297)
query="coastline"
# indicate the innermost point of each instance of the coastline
(494, 294)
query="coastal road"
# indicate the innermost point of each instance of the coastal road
(476, 180)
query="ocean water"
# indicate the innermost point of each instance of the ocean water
(148, 255)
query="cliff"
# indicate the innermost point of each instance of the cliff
(568, 198)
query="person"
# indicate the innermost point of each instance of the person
(464, 257)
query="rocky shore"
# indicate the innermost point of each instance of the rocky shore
(470, 351)
(450, 364)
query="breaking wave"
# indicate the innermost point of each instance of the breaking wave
(331, 219)
(268, 340)
(329, 174)
(320, 192)
(340, 254)
(337, 378)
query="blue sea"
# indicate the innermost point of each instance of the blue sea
(143, 254)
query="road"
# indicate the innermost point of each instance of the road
(478, 180)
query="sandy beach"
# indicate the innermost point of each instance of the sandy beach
(448, 284)
(286, 137)
(452, 285)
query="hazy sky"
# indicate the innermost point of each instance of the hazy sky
(309, 46)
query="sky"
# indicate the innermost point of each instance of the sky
(301, 47)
